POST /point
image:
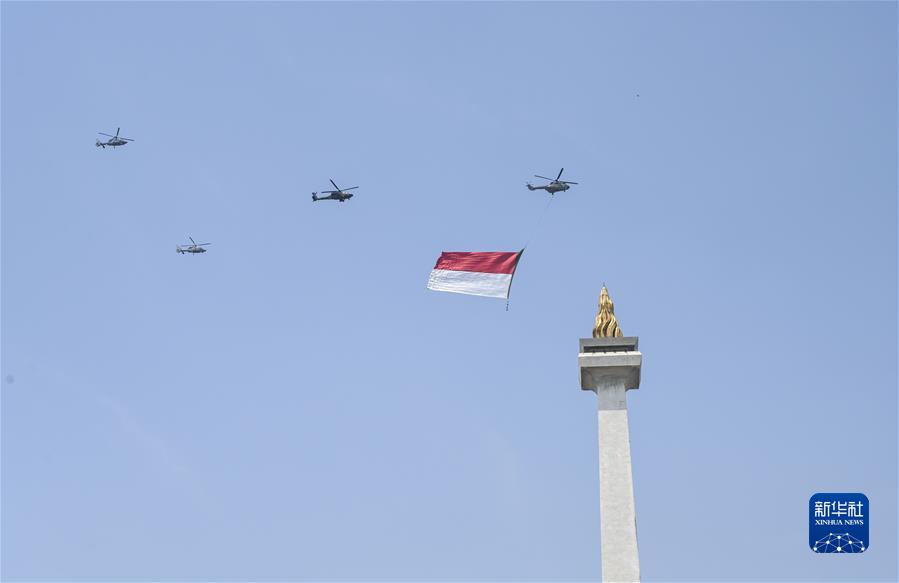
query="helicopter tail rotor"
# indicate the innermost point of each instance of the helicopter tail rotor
(531, 187)
(101, 144)
(314, 196)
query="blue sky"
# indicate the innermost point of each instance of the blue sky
(295, 404)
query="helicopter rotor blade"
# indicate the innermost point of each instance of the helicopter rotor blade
(560, 173)
(335, 185)
(108, 135)
(191, 239)
(350, 188)
(117, 130)
(543, 177)
(329, 191)
(566, 182)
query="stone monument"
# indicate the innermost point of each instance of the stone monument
(610, 366)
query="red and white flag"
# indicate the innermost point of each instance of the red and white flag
(476, 273)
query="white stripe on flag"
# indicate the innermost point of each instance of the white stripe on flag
(491, 285)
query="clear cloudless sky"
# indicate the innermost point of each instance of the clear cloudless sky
(295, 404)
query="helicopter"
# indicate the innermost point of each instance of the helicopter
(554, 186)
(340, 194)
(115, 141)
(194, 247)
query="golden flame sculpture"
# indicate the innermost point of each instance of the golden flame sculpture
(606, 322)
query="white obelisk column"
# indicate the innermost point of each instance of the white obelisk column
(610, 367)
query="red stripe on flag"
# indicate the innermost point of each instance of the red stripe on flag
(483, 262)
